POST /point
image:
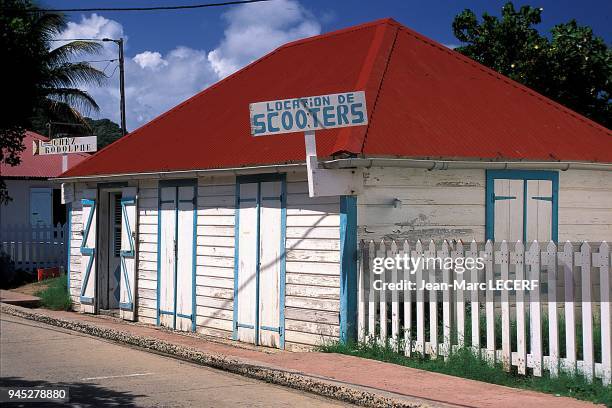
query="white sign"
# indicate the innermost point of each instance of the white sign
(66, 145)
(308, 113)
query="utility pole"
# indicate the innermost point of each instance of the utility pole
(122, 86)
(119, 43)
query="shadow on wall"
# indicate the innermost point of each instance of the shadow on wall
(81, 394)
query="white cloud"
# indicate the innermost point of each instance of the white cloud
(148, 59)
(256, 29)
(156, 82)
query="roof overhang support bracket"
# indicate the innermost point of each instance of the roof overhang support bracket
(329, 182)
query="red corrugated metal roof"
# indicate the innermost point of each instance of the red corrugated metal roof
(424, 100)
(39, 166)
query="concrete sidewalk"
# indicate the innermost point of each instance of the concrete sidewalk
(351, 379)
(18, 299)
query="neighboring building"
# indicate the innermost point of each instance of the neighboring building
(219, 234)
(35, 199)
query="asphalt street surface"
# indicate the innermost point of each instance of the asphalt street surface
(103, 374)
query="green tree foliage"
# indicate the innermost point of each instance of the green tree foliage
(106, 130)
(23, 49)
(39, 76)
(572, 66)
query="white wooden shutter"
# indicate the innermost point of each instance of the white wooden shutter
(539, 210)
(508, 210)
(127, 254)
(248, 249)
(88, 251)
(185, 273)
(167, 257)
(270, 263)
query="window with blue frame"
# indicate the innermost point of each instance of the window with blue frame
(522, 205)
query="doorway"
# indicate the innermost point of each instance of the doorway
(177, 223)
(109, 247)
(260, 264)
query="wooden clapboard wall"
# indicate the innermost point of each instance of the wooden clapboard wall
(585, 205)
(450, 204)
(147, 251)
(215, 256)
(445, 204)
(312, 302)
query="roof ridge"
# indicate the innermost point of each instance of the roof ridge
(189, 100)
(509, 81)
(380, 85)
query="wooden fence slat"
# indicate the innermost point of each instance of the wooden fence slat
(371, 293)
(535, 322)
(504, 261)
(550, 260)
(566, 261)
(459, 298)
(433, 302)
(521, 346)
(381, 253)
(420, 300)
(407, 302)
(487, 256)
(446, 301)
(361, 312)
(603, 263)
(395, 317)
(584, 262)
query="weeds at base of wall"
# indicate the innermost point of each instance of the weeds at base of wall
(55, 296)
(463, 363)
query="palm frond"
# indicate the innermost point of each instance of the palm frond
(71, 50)
(49, 25)
(75, 98)
(70, 75)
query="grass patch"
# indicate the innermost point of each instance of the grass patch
(463, 363)
(55, 296)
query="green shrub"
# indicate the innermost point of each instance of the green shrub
(56, 296)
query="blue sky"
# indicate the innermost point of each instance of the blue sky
(173, 54)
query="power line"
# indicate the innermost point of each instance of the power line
(182, 7)
(102, 60)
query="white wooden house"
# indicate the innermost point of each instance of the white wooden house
(215, 229)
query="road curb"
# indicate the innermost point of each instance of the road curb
(320, 386)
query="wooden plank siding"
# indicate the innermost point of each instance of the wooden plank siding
(447, 204)
(585, 205)
(450, 204)
(215, 256)
(147, 252)
(312, 301)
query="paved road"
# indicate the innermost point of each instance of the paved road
(101, 374)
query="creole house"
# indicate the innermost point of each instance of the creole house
(215, 231)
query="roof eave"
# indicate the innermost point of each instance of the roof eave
(443, 164)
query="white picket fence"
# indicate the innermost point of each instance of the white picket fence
(553, 328)
(34, 246)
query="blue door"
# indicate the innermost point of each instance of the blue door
(41, 206)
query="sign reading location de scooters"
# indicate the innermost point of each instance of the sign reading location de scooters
(308, 113)
(66, 145)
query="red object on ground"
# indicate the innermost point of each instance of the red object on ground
(46, 273)
(424, 100)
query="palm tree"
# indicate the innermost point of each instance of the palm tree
(60, 96)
